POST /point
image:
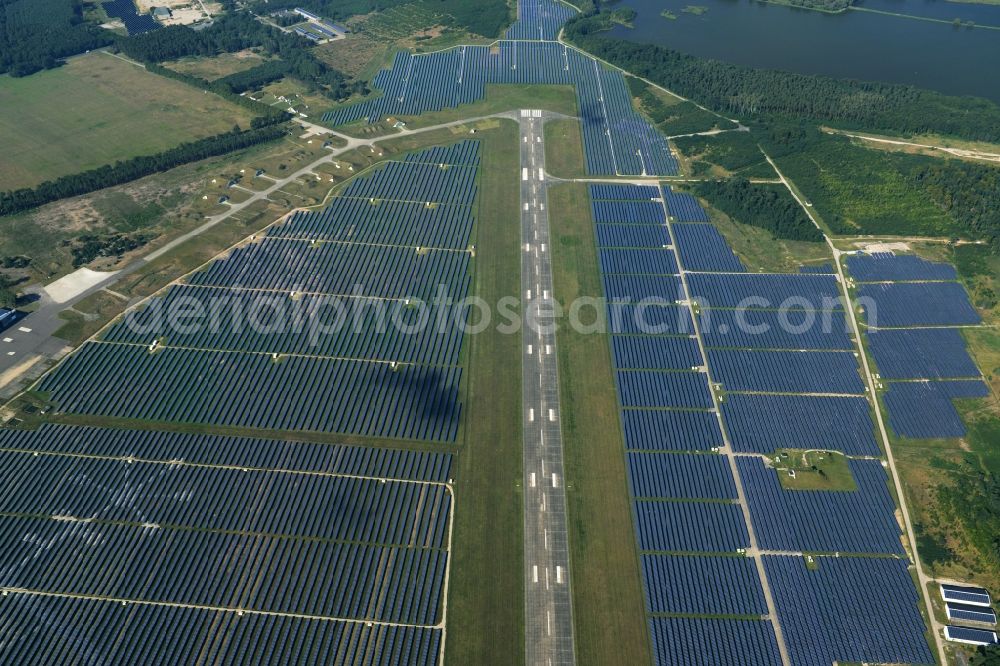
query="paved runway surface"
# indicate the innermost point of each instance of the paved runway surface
(547, 600)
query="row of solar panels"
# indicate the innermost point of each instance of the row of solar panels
(968, 604)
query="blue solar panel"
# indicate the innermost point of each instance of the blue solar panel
(539, 19)
(702, 248)
(858, 521)
(767, 329)
(671, 430)
(916, 304)
(646, 352)
(628, 212)
(967, 595)
(648, 388)
(617, 140)
(640, 319)
(60, 630)
(967, 613)
(712, 642)
(849, 610)
(242, 452)
(767, 291)
(624, 192)
(929, 353)
(786, 372)
(923, 410)
(680, 476)
(684, 207)
(970, 635)
(893, 268)
(637, 288)
(632, 235)
(763, 423)
(135, 22)
(696, 527)
(702, 585)
(637, 261)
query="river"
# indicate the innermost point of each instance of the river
(853, 44)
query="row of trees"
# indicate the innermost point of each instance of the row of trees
(768, 94)
(124, 171)
(36, 34)
(768, 207)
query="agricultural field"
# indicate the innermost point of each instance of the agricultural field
(118, 111)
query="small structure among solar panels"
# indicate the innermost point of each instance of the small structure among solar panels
(970, 636)
(969, 604)
(968, 613)
(974, 596)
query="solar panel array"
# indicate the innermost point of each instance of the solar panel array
(115, 540)
(911, 319)
(135, 23)
(924, 410)
(539, 19)
(296, 330)
(617, 140)
(848, 610)
(888, 267)
(684, 493)
(780, 351)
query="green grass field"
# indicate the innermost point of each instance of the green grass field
(486, 596)
(97, 109)
(218, 66)
(608, 606)
(564, 149)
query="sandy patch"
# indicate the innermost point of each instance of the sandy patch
(74, 284)
(873, 248)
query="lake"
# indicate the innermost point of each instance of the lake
(854, 44)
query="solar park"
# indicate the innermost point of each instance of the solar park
(703, 401)
(253, 547)
(389, 386)
(173, 547)
(914, 321)
(617, 140)
(135, 22)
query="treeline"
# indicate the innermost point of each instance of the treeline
(823, 5)
(124, 171)
(969, 192)
(680, 118)
(768, 94)
(236, 32)
(483, 17)
(36, 34)
(765, 206)
(268, 115)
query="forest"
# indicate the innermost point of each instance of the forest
(761, 94)
(859, 189)
(36, 34)
(482, 17)
(768, 207)
(137, 167)
(236, 32)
